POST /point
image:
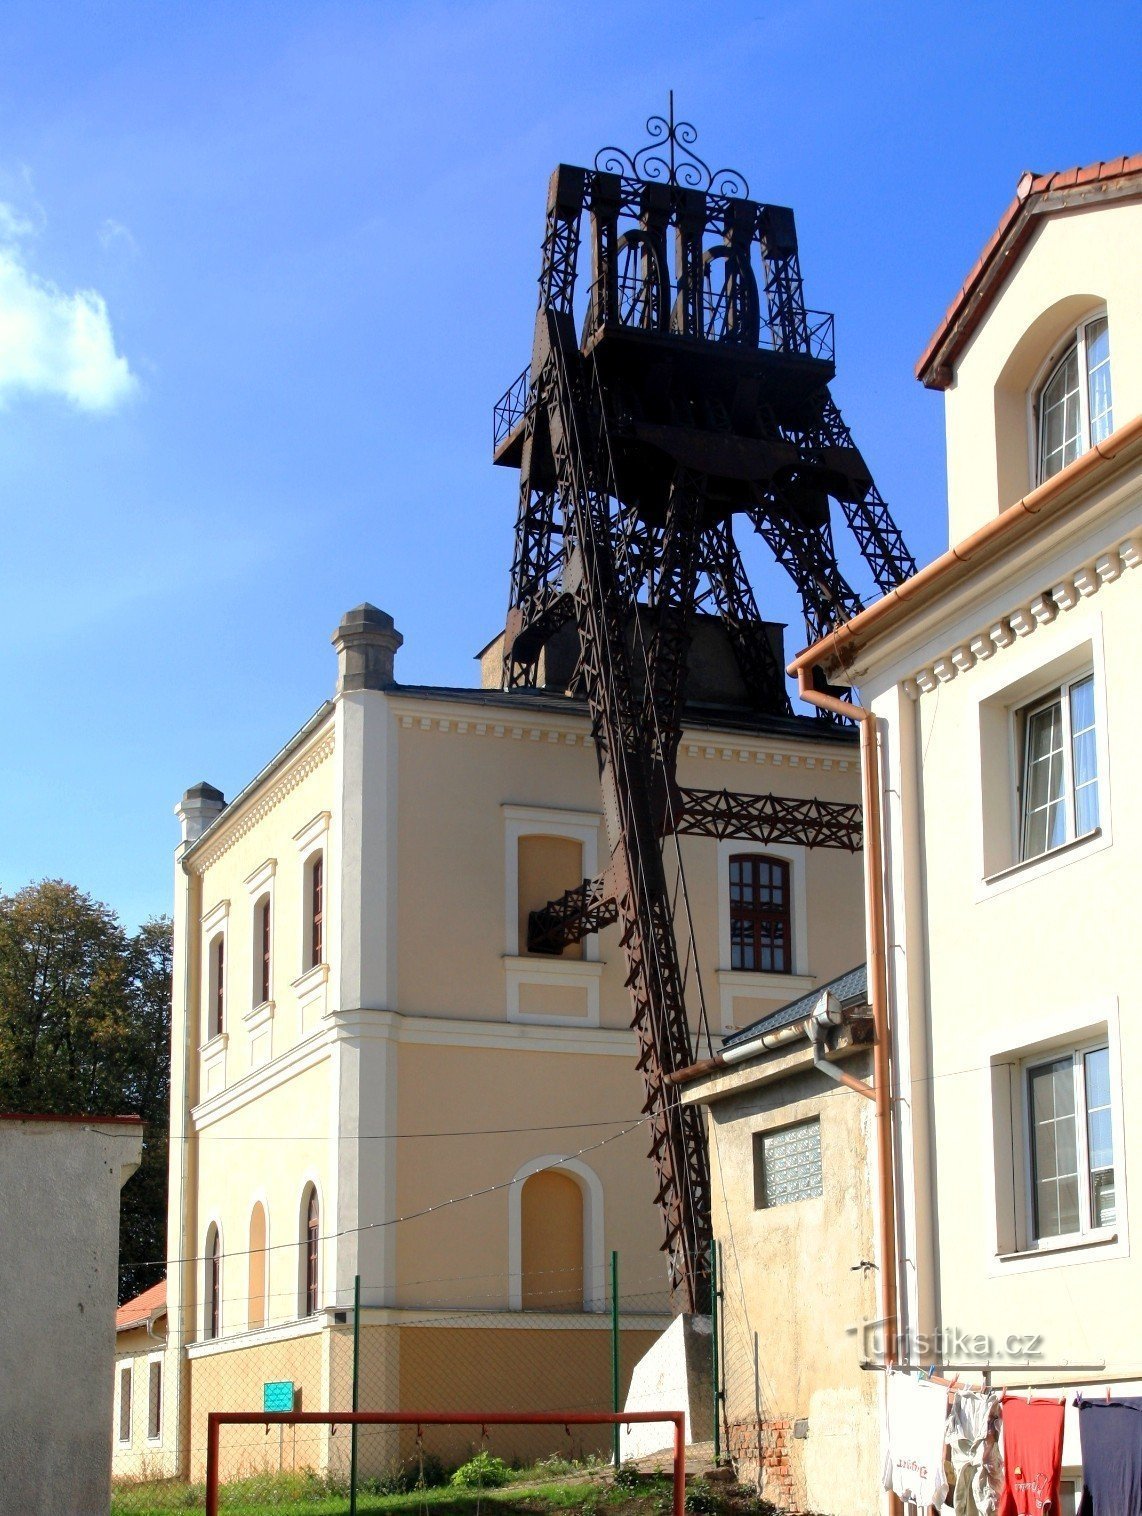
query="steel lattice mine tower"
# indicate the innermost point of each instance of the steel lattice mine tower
(695, 394)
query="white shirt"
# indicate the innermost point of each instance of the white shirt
(914, 1461)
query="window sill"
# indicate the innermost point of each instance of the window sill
(1052, 855)
(1106, 1237)
(215, 1045)
(751, 982)
(311, 978)
(259, 1015)
(544, 965)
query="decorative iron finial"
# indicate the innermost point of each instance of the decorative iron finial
(669, 158)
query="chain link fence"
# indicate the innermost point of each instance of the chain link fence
(478, 1356)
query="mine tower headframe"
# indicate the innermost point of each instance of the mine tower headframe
(695, 390)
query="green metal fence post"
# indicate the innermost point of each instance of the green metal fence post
(356, 1393)
(714, 1349)
(615, 1354)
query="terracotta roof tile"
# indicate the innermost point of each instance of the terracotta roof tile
(987, 273)
(139, 1311)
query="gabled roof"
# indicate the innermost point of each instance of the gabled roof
(139, 1311)
(1036, 195)
(850, 988)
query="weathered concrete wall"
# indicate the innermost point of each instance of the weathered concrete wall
(803, 1415)
(59, 1253)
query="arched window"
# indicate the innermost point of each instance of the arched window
(263, 944)
(316, 911)
(551, 1243)
(256, 1290)
(1073, 404)
(217, 1009)
(212, 1292)
(760, 926)
(310, 1246)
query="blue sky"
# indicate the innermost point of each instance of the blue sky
(265, 267)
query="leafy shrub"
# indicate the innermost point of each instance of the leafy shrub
(700, 1499)
(484, 1472)
(627, 1477)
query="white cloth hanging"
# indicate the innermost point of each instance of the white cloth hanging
(914, 1461)
(977, 1462)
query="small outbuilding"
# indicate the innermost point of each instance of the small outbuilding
(59, 1253)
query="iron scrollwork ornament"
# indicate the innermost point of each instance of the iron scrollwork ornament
(669, 158)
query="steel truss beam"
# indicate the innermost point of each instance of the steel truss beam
(770, 818)
(578, 913)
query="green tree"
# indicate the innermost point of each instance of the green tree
(85, 1029)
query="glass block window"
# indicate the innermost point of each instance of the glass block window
(787, 1164)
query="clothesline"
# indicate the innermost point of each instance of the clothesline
(1072, 1375)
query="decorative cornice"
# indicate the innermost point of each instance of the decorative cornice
(261, 806)
(733, 750)
(1023, 620)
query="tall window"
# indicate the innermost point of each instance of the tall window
(316, 910)
(125, 1403)
(217, 986)
(760, 932)
(312, 1235)
(1074, 408)
(265, 924)
(1060, 768)
(212, 1315)
(1072, 1143)
(155, 1399)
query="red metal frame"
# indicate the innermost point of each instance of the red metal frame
(217, 1419)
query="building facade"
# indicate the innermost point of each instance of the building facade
(794, 1185)
(373, 1078)
(1002, 683)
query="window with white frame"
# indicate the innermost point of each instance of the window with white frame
(155, 1400)
(1073, 404)
(125, 1403)
(216, 1004)
(1059, 779)
(760, 928)
(1070, 1140)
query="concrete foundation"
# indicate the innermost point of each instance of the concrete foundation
(675, 1375)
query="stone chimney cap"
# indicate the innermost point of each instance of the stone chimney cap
(204, 791)
(366, 640)
(367, 614)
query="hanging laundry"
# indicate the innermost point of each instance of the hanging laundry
(1032, 1456)
(977, 1462)
(1111, 1438)
(914, 1462)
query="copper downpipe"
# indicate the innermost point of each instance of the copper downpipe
(878, 991)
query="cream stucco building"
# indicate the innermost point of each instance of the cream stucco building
(988, 1227)
(353, 995)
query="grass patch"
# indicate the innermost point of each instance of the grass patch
(556, 1486)
(529, 1492)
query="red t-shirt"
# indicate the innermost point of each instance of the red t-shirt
(1032, 1457)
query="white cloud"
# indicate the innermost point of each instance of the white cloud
(53, 343)
(113, 233)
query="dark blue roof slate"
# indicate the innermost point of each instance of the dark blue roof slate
(850, 988)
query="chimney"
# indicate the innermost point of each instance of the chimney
(366, 643)
(198, 808)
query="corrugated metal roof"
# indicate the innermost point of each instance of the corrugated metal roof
(850, 988)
